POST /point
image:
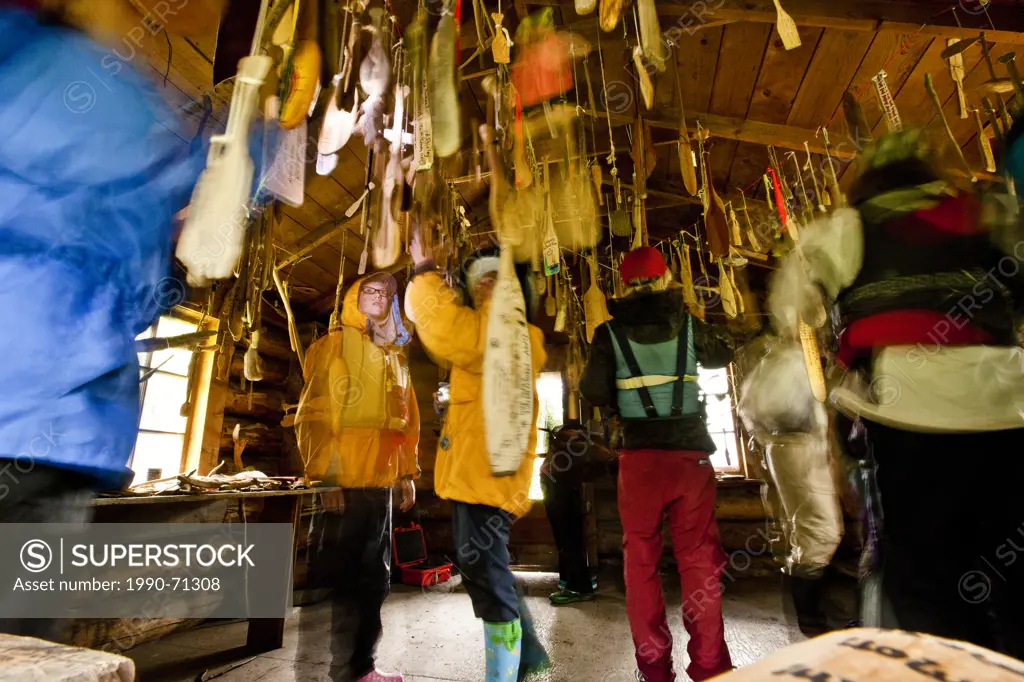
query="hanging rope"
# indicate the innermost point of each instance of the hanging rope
(335, 321)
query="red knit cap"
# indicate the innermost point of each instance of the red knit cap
(643, 263)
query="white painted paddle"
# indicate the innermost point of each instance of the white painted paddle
(508, 390)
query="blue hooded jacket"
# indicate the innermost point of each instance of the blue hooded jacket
(91, 174)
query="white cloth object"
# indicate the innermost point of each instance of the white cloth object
(776, 397)
(478, 268)
(940, 389)
(799, 468)
(829, 255)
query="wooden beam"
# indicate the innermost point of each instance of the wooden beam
(677, 198)
(319, 235)
(731, 128)
(856, 15)
(587, 28)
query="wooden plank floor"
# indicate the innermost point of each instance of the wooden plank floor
(434, 637)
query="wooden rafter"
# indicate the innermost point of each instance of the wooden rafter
(732, 128)
(859, 15)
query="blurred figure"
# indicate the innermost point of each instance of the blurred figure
(358, 428)
(643, 366)
(483, 506)
(91, 175)
(779, 410)
(575, 456)
(925, 277)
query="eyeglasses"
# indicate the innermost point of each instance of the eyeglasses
(377, 293)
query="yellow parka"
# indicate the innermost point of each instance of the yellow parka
(358, 423)
(456, 333)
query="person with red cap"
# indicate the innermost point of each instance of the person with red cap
(643, 367)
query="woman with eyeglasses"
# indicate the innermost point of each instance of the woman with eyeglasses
(358, 429)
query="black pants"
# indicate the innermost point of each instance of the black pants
(563, 502)
(952, 545)
(42, 494)
(350, 556)
(481, 551)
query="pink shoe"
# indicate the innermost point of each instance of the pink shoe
(378, 676)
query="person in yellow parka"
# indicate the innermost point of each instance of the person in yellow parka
(483, 506)
(357, 428)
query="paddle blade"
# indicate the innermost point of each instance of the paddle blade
(787, 28)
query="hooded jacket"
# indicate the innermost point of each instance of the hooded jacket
(93, 168)
(358, 422)
(456, 333)
(651, 318)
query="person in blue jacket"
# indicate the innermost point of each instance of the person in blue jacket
(93, 170)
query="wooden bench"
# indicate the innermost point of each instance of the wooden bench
(279, 506)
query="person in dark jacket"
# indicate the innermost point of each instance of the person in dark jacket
(576, 455)
(643, 367)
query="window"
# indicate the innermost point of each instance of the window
(715, 387)
(550, 395)
(165, 411)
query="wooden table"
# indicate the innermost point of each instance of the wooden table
(279, 506)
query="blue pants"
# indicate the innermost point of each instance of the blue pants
(481, 551)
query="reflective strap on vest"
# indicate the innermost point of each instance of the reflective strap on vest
(633, 383)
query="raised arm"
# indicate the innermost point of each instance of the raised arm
(449, 329)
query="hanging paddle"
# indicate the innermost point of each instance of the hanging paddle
(561, 315)
(552, 257)
(444, 91)
(338, 123)
(958, 73)
(717, 224)
(930, 87)
(646, 85)
(855, 121)
(212, 237)
(374, 79)
(687, 165)
(508, 390)
(787, 28)
(609, 12)
(286, 166)
(984, 145)
(301, 75)
(595, 307)
(697, 308)
(726, 292)
(502, 43)
(650, 34)
(423, 141)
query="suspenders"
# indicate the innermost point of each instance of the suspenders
(682, 343)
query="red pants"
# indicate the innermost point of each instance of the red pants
(678, 484)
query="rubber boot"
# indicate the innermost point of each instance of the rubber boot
(503, 644)
(534, 660)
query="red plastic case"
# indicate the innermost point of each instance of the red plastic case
(410, 551)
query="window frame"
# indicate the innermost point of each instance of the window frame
(740, 469)
(540, 456)
(197, 396)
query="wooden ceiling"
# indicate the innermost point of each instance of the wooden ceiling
(736, 79)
